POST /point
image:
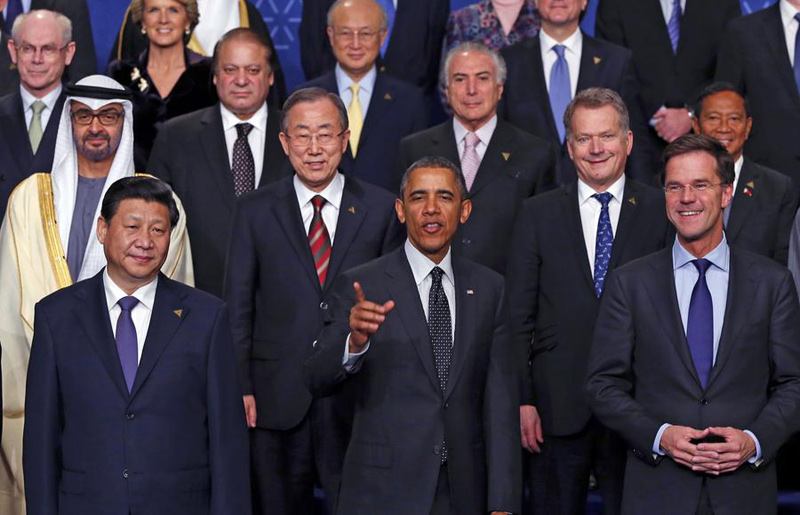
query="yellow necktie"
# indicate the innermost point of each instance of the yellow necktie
(355, 117)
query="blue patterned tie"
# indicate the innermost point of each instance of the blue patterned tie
(13, 9)
(440, 331)
(603, 243)
(127, 348)
(797, 54)
(388, 6)
(674, 25)
(560, 90)
(700, 325)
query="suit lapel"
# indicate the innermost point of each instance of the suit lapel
(15, 132)
(212, 138)
(443, 142)
(288, 214)
(352, 213)
(382, 99)
(590, 60)
(773, 34)
(272, 148)
(742, 203)
(627, 215)
(571, 214)
(652, 16)
(494, 160)
(466, 313)
(540, 87)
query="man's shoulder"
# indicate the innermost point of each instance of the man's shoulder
(521, 50)
(478, 273)
(369, 193)
(29, 189)
(643, 266)
(744, 26)
(425, 137)
(610, 51)
(266, 195)
(191, 297)
(326, 81)
(523, 140)
(9, 104)
(776, 181)
(406, 90)
(190, 122)
(766, 268)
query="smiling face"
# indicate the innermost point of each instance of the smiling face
(432, 209)
(243, 77)
(560, 13)
(472, 88)
(723, 117)
(97, 142)
(40, 54)
(356, 36)
(598, 146)
(165, 22)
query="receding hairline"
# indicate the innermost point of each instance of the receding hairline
(61, 23)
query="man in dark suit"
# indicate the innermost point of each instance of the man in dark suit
(133, 401)
(424, 349)
(565, 244)
(289, 243)
(546, 71)
(381, 109)
(28, 136)
(757, 56)
(760, 216)
(212, 156)
(505, 165)
(695, 355)
(674, 55)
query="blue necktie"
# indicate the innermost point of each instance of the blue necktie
(797, 54)
(13, 9)
(700, 325)
(674, 25)
(560, 90)
(603, 243)
(388, 6)
(127, 347)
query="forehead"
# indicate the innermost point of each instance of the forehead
(691, 167)
(313, 115)
(724, 101)
(40, 28)
(164, 3)
(140, 208)
(472, 63)
(77, 106)
(357, 13)
(242, 53)
(593, 119)
(431, 179)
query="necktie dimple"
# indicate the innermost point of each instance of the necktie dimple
(603, 243)
(388, 6)
(796, 65)
(560, 90)
(13, 9)
(700, 324)
(243, 166)
(35, 130)
(470, 161)
(319, 240)
(355, 117)
(127, 346)
(674, 25)
(440, 331)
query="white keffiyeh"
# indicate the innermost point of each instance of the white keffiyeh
(216, 18)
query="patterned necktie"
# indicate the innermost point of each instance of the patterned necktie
(244, 167)
(440, 331)
(797, 54)
(355, 118)
(35, 130)
(388, 6)
(319, 240)
(13, 9)
(700, 324)
(674, 25)
(560, 89)
(603, 243)
(127, 347)
(470, 161)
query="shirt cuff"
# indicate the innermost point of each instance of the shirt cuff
(657, 442)
(757, 456)
(352, 362)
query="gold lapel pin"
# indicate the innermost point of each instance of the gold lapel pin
(632, 200)
(178, 312)
(387, 96)
(351, 210)
(750, 184)
(505, 155)
(598, 60)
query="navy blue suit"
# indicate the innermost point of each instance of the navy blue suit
(396, 110)
(177, 443)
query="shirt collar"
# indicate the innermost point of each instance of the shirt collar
(573, 43)
(719, 257)
(258, 120)
(421, 265)
(737, 168)
(146, 294)
(585, 191)
(49, 99)
(367, 82)
(484, 132)
(787, 12)
(332, 192)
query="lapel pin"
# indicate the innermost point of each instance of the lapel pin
(351, 210)
(383, 68)
(505, 155)
(632, 200)
(598, 60)
(470, 291)
(178, 312)
(748, 188)
(387, 96)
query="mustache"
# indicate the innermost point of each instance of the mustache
(96, 135)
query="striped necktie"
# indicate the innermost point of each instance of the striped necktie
(319, 240)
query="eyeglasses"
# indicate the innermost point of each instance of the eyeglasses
(700, 187)
(86, 117)
(348, 35)
(48, 51)
(324, 139)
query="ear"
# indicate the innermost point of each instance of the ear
(70, 53)
(12, 50)
(466, 209)
(695, 125)
(284, 142)
(727, 195)
(330, 35)
(398, 208)
(629, 143)
(102, 230)
(747, 127)
(345, 140)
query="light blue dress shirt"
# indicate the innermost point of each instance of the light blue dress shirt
(366, 87)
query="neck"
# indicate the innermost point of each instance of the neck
(357, 76)
(128, 287)
(474, 125)
(166, 58)
(794, 3)
(41, 93)
(701, 247)
(94, 169)
(507, 3)
(559, 32)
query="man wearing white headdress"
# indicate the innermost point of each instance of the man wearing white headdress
(47, 242)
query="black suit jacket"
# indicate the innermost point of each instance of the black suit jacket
(641, 375)
(9, 77)
(551, 298)
(176, 443)
(526, 103)
(277, 304)
(16, 154)
(516, 166)
(191, 155)
(402, 416)
(396, 110)
(753, 56)
(762, 212)
(414, 50)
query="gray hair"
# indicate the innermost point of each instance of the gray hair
(310, 95)
(337, 3)
(474, 46)
(595, 98)
(60, 19)
(435, 162)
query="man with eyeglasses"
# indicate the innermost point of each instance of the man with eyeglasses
(290, 242)
(381, 109)
(47, 241)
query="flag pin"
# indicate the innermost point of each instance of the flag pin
(470, 291)
(178, 312)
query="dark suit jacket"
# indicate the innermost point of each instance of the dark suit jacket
(15, 146)
(177, 443)
(85, 60)
(551, 299)
(191, 155)
(401, 418)
(762, 212)
(753, 56)
(415, 45)
(516, 166)
(9, 77)
(396, 110)
(641, 375)
(277, 304)
(526, 103)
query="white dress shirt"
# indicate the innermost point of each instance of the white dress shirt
(666, 8)
(572, 54)
(790, 26)
(737, 172)
(590, 213)
(141, 312)
(330, 210)
(484, 134)
(256, 138)
(365, 89)
(49, 100)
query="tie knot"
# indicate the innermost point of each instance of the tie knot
(243, 129)
(318, 202)
(472, 140)
(559, 50)
(436, 274)
(37, 107)
(127, 303)
(604, 198)
(702, 265)
(354, 88)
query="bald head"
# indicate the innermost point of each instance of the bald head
(357, 30)
(41, 47)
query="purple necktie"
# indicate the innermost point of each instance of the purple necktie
(700, 324)
(674, 25)
(127, 347)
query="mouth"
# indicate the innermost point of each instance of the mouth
(432, 227)
(356, 56)
(597, 160)
(689, 214)
(315, 165)
(141, 260)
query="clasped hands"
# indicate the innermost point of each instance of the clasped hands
(710, 458)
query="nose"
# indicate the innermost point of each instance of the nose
(95, 127)
(431, 205)
(241, 77)
(596, 146)
(472, 86)
(687, 194)
(144, 239)
(162, 16)
(314, 148)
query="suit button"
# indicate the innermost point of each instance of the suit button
(125, 473)
(130, 416)
(446, 405)
(704, 401)
(437, 449)
(466, 241)
(323, 305)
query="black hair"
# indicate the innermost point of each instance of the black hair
(139, 187)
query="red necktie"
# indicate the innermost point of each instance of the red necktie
(319, 240)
